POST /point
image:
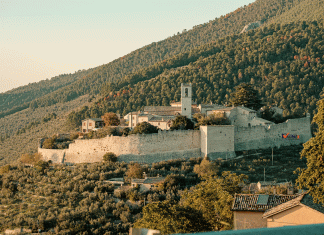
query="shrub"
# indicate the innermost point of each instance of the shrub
(144, 128)
(110, 157)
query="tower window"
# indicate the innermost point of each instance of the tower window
(186, 92)
(185, 109)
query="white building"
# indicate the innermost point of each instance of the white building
(162, 116)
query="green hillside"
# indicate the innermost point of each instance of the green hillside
(284, 63)
(307, 10)
(68, 87)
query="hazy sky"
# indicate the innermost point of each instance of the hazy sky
(40, 39)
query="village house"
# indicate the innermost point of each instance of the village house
(148, 183)
(249, 209)
(240, 116)
(91, 124)
(298, 211)
(117, 182)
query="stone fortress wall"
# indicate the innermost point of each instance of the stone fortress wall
(164, 145)
(291, 132)
(214, 141)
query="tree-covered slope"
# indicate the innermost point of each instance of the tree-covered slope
(49, 92)
(284, 63)
(307, 10)
(20, 98)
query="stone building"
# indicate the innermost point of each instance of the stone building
(162, 116)
(148, 183)
(91, 124)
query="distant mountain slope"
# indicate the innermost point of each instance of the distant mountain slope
(19, 98)
(93, 79)
(307, 10)
(284, 63)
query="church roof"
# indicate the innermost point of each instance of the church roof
(162, 110)
(161, 118)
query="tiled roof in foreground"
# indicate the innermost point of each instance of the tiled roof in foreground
(252, 202)
(304, 199)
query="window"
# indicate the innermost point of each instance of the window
(263, 199)
(158, 124)
(90, 124)
(186, 92)
(185, 109)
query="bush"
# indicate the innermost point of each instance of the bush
(110, 157)
(182, 123)
(144, 128)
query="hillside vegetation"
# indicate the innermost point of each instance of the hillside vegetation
(77, 199)
(68, 87)
(28, 126)
(284, 63)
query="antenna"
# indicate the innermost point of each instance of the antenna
(272, 156)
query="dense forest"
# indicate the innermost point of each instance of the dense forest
(284, 63)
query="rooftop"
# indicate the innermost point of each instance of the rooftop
(94, 119)
(258, 202)
(302, 199)
(149, 180)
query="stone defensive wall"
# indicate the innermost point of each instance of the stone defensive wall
(148, 148)
(213, 141)
(291, 132)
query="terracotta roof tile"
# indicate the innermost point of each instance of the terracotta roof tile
(249, 202)
(304, 199)
(284, 206)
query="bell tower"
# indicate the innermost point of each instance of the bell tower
(186, 99)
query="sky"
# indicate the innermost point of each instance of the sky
(40, 39)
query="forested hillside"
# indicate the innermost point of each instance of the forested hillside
(304, 11)
(285, 63)
(68, 87)
(20, 98)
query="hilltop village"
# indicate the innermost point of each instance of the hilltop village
(245, 132)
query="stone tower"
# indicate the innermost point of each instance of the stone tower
(186, 99)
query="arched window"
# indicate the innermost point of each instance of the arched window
(186, 92)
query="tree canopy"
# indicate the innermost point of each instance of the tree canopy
(245, 95)
(205, 207)
(182, 123)
(110, 119)
(312, 177)
(144, 128)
